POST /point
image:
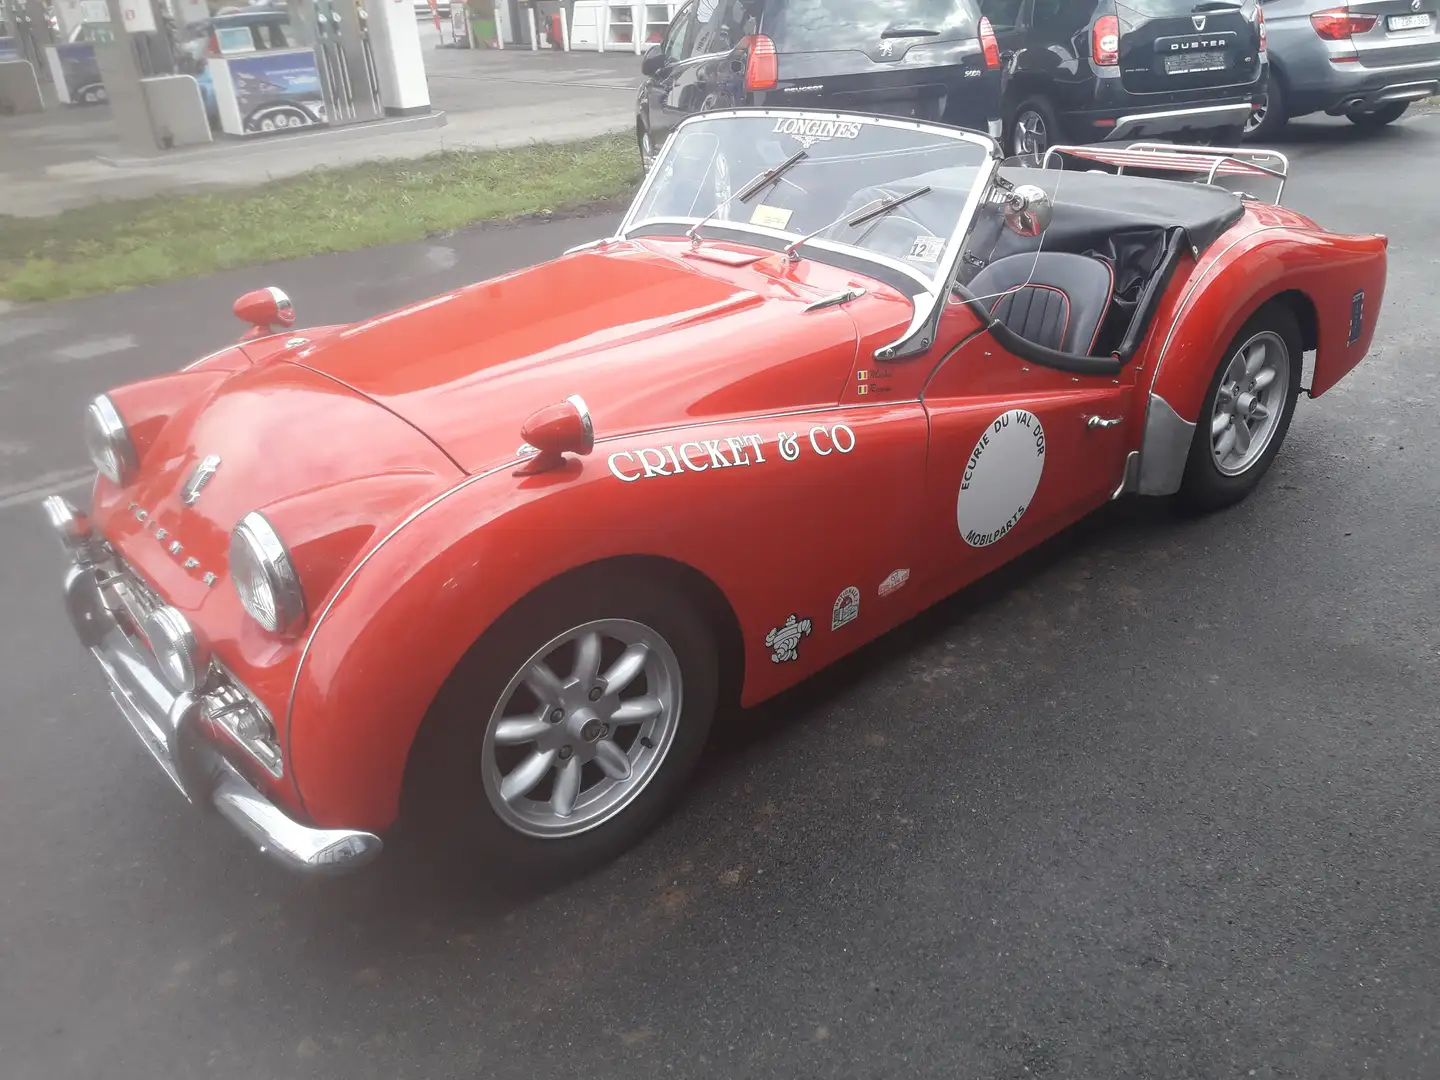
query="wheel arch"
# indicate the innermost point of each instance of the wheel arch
(1306, 274)
(686, 580)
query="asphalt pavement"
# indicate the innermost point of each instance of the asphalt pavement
(1159, 801)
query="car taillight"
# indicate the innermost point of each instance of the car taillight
(763, 70)
(1105, 41)
(1260, 24)
(988, 43)
(1341, 24)
(212, 44)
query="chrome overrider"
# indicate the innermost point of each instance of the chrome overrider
(99, 586)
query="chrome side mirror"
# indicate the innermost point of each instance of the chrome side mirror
(1028, 210)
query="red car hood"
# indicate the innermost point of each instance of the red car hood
(645, 332)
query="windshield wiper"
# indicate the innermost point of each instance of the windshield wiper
(874, 211)
(748, 192)
(908, 31)
(1218, 5)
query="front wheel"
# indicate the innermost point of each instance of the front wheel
(647, 147)
(1247, 411)
(570, 728)
(1386, 114)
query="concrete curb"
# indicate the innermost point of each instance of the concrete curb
(397, 125)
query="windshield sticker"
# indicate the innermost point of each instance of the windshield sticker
(735, 451)
(1000, 478)
(771, 217)
(809, 132)
(847, 608)
(927, 248)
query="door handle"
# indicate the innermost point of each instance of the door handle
(1101, 422)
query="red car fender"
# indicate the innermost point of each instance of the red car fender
(1318, 274)
(391, 635)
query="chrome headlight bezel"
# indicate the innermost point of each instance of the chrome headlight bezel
(108, 442)
(264, 576)
(183, 658)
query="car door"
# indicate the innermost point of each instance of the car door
(676, 91)
(1017, 450)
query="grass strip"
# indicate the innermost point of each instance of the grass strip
(125, 243)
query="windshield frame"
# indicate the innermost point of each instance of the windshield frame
(944, 269)
(929, 290)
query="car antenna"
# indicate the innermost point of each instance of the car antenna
(746, 193)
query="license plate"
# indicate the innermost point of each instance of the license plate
(1189, 63)
(1408, 22)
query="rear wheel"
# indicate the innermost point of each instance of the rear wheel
(569, 729)
(1386, 114)
(1247, 411)
(1033, 128)
(1268, 119)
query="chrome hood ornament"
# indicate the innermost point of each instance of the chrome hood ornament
(199, 478)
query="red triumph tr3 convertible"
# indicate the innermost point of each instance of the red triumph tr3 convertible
(490, 563)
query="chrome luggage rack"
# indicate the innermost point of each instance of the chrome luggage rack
(1210, 161)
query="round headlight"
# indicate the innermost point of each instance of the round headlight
(108, 442)
(182, 658)
(264, 576)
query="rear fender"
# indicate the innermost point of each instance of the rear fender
(1319, 275)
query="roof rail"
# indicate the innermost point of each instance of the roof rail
(1210, 161)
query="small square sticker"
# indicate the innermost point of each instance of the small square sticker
(770, 217)
(927, 248)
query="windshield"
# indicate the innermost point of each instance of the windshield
(824, 25)
(892, 191)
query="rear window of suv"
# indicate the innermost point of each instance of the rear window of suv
(826, 25)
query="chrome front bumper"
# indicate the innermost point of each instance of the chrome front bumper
(171, 725)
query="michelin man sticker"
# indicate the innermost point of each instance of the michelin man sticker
(1000, 478)
(785, 640)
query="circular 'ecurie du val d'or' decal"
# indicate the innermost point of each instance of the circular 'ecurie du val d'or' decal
(1000, 478)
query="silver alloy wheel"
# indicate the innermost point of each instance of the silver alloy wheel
(564, 753)
(1030, 136)
(1256, 118)
(1249, 402)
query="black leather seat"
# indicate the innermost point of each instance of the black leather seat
(1056, 300)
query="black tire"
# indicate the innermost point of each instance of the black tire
(1204, 487)
(1040, 109)
(645, 144)
(1386, 114)
(1274, 118)
(447, 808)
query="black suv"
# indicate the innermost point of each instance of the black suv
(923, 59)
(1089, 70)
